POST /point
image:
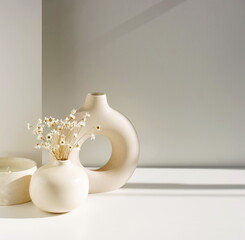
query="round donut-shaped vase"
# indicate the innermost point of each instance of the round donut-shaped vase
(124, 140)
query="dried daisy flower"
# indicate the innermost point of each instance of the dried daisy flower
(38, 146)
(72, 116)
(62, 142)
(73, 111)
(61, 136)
(92, 136)
(29, 126)
(40, 137)
(39, 121)
(49, 137)
(77, 146)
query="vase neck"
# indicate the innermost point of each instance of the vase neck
(96, 100)
(64, 162)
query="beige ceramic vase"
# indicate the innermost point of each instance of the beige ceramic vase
(125, 145)
(59, 186)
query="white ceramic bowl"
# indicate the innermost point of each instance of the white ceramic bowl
(15, 176)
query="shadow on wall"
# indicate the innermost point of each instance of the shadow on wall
(132, 24)
(60, 51)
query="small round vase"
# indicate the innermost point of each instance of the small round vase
(59, 187)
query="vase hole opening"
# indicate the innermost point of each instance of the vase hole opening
(95, 153)
(96, 94)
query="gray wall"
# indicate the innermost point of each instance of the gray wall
(20, 75)
(175, 68)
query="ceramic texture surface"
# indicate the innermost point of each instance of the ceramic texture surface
(15, 179)
(125, 144)
(59, 186)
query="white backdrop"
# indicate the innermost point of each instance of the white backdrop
(20, 75)
(175, 68)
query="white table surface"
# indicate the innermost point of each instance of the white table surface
(186, 204)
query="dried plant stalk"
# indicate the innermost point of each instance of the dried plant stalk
(61, 136)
